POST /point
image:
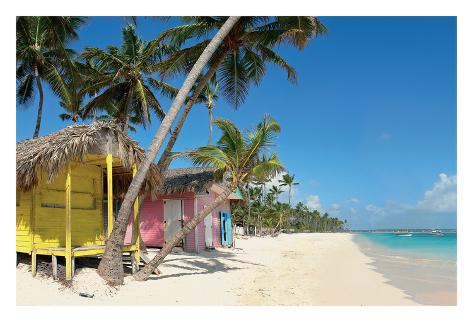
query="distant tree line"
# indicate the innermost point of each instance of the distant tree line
(262, 213)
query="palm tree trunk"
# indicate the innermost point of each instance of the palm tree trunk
(111, 267)
(143, 249)
(40, 104)
(210, 126)
(249, 217)
(277, 225)
(144, 273)
(164, 159)
(289, 195)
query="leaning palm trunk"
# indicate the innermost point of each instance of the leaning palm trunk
(280, 225)
(143, 250)
(159, 258)
(145, 255)
(277, 226)
(164, 160)
(110, 267)
(40, 104)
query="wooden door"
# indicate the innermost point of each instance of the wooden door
(208, 231)
(172, 218)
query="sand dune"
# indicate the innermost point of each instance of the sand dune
(297, 269)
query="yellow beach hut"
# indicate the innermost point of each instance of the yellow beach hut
(69, 184)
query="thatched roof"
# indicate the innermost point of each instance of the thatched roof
(197, 180)
(52, 152)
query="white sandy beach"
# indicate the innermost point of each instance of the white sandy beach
(297, 269)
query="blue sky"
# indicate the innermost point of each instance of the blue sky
(369, 131)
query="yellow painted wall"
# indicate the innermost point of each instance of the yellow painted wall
(49, 210)
(23, 222)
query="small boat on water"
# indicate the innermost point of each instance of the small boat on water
(436, 232)
(404, 233)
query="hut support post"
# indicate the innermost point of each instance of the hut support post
(33, 262)
(54, 264)
(68, 225)
(109, 194)
(135, 256)
(32, 224)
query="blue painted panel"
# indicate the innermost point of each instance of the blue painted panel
(228, 224)
(222, 226)
(226, 228)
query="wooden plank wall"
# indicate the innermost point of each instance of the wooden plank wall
(86, 199)
(23, 221)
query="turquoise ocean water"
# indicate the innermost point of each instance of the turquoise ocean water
(420, 245)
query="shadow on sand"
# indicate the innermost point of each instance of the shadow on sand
(206, 262)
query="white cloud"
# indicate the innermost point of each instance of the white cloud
(283, 197)
(442, 197)
(375, 209)
(354, 200)
(275, 182)
(335, 209)
(436, 208)
(313, 202)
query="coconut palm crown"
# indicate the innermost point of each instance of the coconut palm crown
(238, 157)
(41, 55)
(126, 78)
(288, 180)
(243, 55)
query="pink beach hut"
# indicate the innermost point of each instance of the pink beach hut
(186, 191)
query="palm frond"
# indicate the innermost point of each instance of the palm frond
(57, 83)
(104, 100)
(65, 117)
(209, 156)
(25, 90)
(142, 97)
(234, 79)
(164, 88)
(103, 59)
(153, 103)
(271, 56)
(254, 65)
(182, 60)
(231, 139)
(180, 34)
(268, 167)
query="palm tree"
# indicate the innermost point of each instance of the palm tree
(281, 212)
(211, 96)
(275, 191)
(288, 180)
(123, 81)
(241, 58)
(254, 196)
(110, 267)
(236, 158)
(75, 77)
(40, 52)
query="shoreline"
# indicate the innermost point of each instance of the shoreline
(427, 281)
(291, 269)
